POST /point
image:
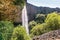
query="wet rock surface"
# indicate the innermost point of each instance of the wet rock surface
(52, 35)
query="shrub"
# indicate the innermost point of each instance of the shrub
(32, 24)
(40, 18)
(37, 30)
(53, 21)
(6, 28)
(19, 33)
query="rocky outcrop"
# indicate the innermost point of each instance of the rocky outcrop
(53, 35)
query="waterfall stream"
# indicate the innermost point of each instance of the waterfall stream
(25, 19)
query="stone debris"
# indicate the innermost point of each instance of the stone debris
(53, 35)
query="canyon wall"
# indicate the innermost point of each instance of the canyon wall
(33, 10)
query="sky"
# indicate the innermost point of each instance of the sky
(45, 3)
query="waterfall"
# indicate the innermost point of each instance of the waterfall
(25, 19)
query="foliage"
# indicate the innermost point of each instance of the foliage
(19, 2)
(40, 18)
(9, 11)
(32, 24)
(6, 28)
(37, 30)
(19, 33)
(53, 21)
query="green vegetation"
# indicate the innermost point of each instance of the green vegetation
(9, 32)
(40, 18)
(19, 2)
(52, 22)
(37, 30)
(19, 33)
(32, 24)
(10, 11)
(6, 29)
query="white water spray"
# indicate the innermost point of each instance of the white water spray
(25, 19)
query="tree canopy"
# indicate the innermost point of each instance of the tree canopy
(11, 9)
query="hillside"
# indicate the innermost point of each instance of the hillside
(32, 10)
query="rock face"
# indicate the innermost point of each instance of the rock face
(53, 35)
(33, 10)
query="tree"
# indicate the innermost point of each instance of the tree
(32, 24)
(6, 29)
(19, 33)
(9, 11)
(53, 21)
(19, 2)
(38, 30)
(40, 18)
